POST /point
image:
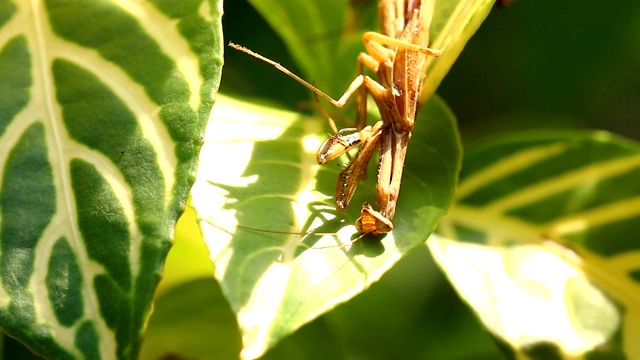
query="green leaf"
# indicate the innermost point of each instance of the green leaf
(103, 106)
(192, 321)
(549, 257)
(258, 169)
(310, 30)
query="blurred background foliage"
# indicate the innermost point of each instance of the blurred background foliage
(533, 65)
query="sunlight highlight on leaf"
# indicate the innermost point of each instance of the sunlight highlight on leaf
(536, 295)
(291, 278)
(577, 191)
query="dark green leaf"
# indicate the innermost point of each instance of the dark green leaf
(103, 106)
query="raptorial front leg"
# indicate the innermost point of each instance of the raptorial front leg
(350, 177)
(385, 169)
(343, 141)
(393, 153)
(400, 145)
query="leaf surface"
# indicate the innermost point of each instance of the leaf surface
(547, 253)
(103, 106)
(258, 170)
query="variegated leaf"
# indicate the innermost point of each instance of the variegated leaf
(101, 118)
(550, 254)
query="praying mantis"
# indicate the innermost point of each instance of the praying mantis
(397, 56)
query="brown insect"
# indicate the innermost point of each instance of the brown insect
(397, 55)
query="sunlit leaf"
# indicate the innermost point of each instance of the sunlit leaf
(258, 169)
(550, 258)
(103, 106)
